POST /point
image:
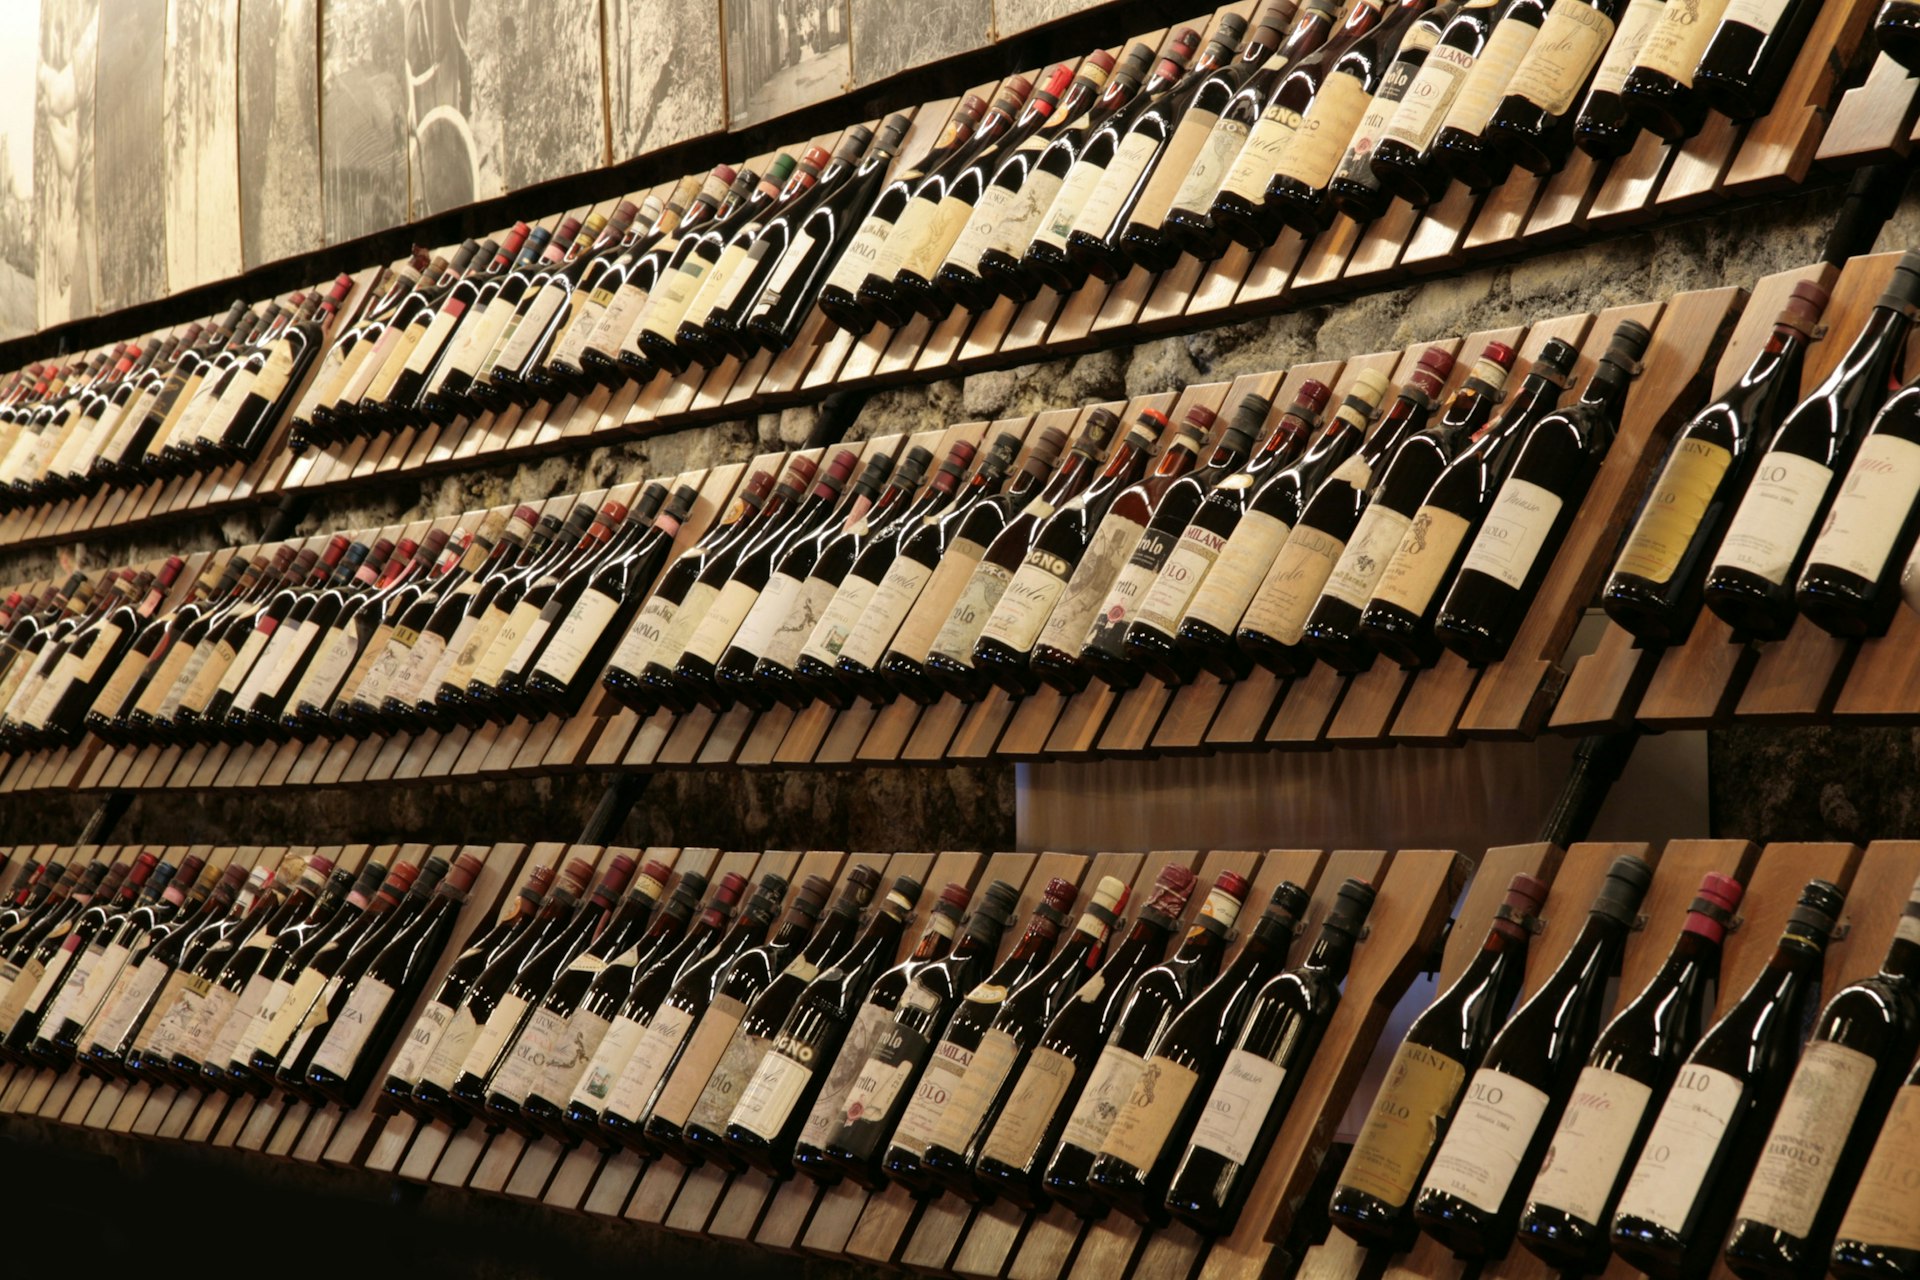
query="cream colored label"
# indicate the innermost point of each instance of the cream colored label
(1809, 1133)
(1067, 626)
(929, 614)
(790, 263)
(935, 1091)
(983, 226)
(1517, 527)
(1014, 226)
(1870, 507)
(609, 1063)
(1766, 533)
(1289, 591)
(490, 1045)
(728, 1080)
(988, 1069)
(1417, 1096)
(526, 1061)
(699, 1060)
(925, 254)
(622, 317)
(290, 1017)
(643, 638)
(576, 636)
(125, 1001)
(861, 257)
(327, 670)
(1499, 1114)
(1109, 1086)
(531, 328)
(1081, 182)
(450, 1054)
(1211, 166)
(1761, 15)
(771, 1095)
(1885, 1209)
(1315, 149)
(917, 221)
(1187, 566)
(807, 604)
(1492, 71)
(347, 1037)
(1036, 1097)
(1624, 50)
(1419, 566)
(670, 301)
(418, 1047)
(1569, 46)
(718, 274)
(507, 642)
(656, 1052)
(1229, 588)
(420, 359)
(1028, 601)
(249, 656)
(1673, 1164)
(1146, 1121)
(573, 1048)
(1430, 97)
(1171, 174)
(979, 600)
(891, 601)
(1674, 46)
(716, 630)
(225, 1049)
(1583, 1161)
(1096, 216)
(1266, 143)
(686, 620)
(1674, 510)
(416, 670)
(1230, 1122)
(836, 623)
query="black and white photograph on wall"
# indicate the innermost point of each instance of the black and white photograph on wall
(19, 57)
(663, 65)
(279, 129)
(1011, 17)
(889, 38)
(450, 165)
(515, 43)
(202, 141)
(128, 157)
(63, 165)
(363, 116)
(783, 55)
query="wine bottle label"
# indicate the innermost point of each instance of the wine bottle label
(174, 1014)
(568, 1057)
(409, 684)
(327, 670)
(1230, 1122)
(861, 257)
(657, 1050)
(581, 326)
(724, 1087)
(507, 641)
(347, 1037)
(526, 1061)
(490, 1044)
(1492, 72)
(213, 660)
(1762, 15)
(1289, 591)
(1809, 1133)
(771, 1095)
(890, 603)
(937, 237)
(610, 1062)
(1570, 44)
(836, 623)
(1673, 1164)
(212, 1010)
(313, 1027)
(119, 686)
(1109, 1086)
(729, 609)
(1499, 1115)
(284, 662)
(126, 999)
(1173, 173)
(1419, 565)
(1211, 165)
(1516, 528)
(573, 641)
(1015, 225)
(986, 1071)
(918, 221)
(1624, 50)
(1266, 142)
(1029, 599)
(484, 336)
(277, 372)
(255, 1036)
(805, 603)
(420, 359)
(1061, 217)
(451, 1042)
(798, 254)
(1103, 205)
(530, 327)
(1151, 1111)
(1430, 97)
(928, 616)
(620, 320)
(226, 1045)
(465, 648)
(1674, 46)
(1030, 1108)
(881, 1086)
(1673, 510)
(978, 601)
(69, 1001)
(50, 977)
(829, 1105)
(699, 1060)
(984, 223)
(1067, 626)
(1769, 528)
(936, 1089)
(686, 620)
(1366, 555)
(1313, 152)
(1228, 588)
(667, 305)
(643, 638)
(1881, 1213)
(1108, 629)
(1870, 507)
(1356, 162)
(1398, 1133)
(244, 661)
(1584, 1159)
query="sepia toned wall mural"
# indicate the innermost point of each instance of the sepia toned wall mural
(153, 146)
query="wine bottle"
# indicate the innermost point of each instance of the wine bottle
(96, 962)
(839, 295)
(1610, 1110)
(1403, 159)
(1109, 578)
(1253, 1086)
(650, 296)
(1876, 1237)
(794, 1030)
(1354, 189)
(1896, 30)
(1011, 198)
(1097, 243)
(1212, 612)
(1534, 123)
(1152, 1005)
(1461, 149)
(1398, 619)
(1653, 591)
(503, 318)
(1522, 530)
(60, 948)
(1473, 1192)
(144, 967)
(1684, 1188)
(1854, 571)
(769, 982)
(943, 1078)
(674, 1015)
(445, 395)
(836, 1026)
(1058, 549)
(1836, 1103)
(1749, 585)
(1444, 1045)
(1659, 92)
(884, 1085)
(546, 307)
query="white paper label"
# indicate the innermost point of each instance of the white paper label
(609, 1062)
(1226, 592)
(494, 1034)
(1365, 556)
(1230, 1123)
(349, 1033)
(651, 1058)
(1624, 49)
(1767, 531)
(527, 1061)
(829, 1104)
(1583, 1161)
(1482, 1151)
(1516, 528)
(1429, 97)
(770, 1095)
(716, 630)
(578, 632)
(1872, 504)
(880, 621)
(1809, 1133)
(836, 623)
(1108, 1087)
(1673, 1164)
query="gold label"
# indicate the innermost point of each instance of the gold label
(1674, 46)
(1147, 1120)
(1569, 46)
(1404, 1124)
(1172, 173)
(1316, 147)
(1419, 566)
(1674, 510)
(1885, 1209)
